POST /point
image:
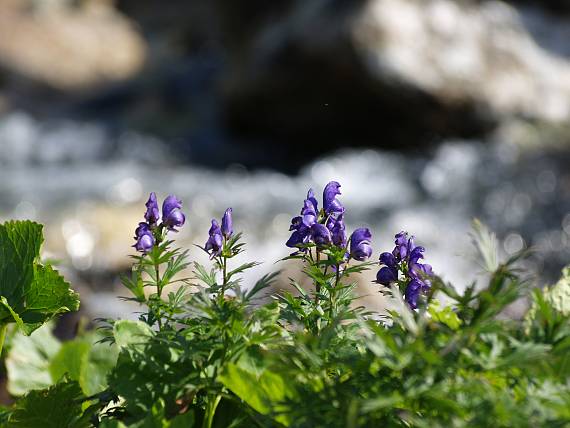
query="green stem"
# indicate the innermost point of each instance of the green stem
(317, 285)
(211, 411)
(159, 293)
(225, 280)
(3, 330)
(333, 291)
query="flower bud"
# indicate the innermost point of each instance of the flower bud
(227, 224)
(152, 214)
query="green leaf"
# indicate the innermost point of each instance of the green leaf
(70, 360)
(444, 315)
(264, 392)
(57, 407)
(127, 333)
(30, 293)
(28, 361)
(102, 359)
(40, 360)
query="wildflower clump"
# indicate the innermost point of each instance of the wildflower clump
(210, 349)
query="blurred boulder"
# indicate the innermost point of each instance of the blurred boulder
(68, 45)
(386, 72)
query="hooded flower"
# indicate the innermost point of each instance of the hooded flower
(147, 233)
(404, 245)
(412, 293)
(172, 217)
(215, 242)
(406, 258)
(361, 244)
(320, 234)
(227, 224)
(338, 232)
(144, 237)
(331, 204)
(388, 273)
(152, 214)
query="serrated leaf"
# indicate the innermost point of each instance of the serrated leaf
(56, 407)
(31, 293)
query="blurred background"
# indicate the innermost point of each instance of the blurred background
(428, 112)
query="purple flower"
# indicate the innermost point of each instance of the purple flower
(320, 234)
(338, 232)
(311, 198)
(412, 293)
(215, 242)
(152, 214)
(406, 258)
(172, 217)
(309, 213)
(388, 273)
(227, 224)
(144, 237)
(361, 244)
(330, 203)
(404, 244)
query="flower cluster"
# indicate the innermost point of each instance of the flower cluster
(147, 233)
(327, 227)
(405, 258)
(215, 242)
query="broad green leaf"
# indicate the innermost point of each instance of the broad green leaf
(30, 293)
(40, 360)
(264, 392)
(127, 332)
(57, 407)
(70, 360)
(28, 361)
(101, 360)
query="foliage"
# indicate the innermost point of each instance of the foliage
(30, 293)
(208, 351)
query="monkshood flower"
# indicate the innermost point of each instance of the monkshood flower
(361, 244)
(320, 234)
(215, 242)
(144, 237)
(303, 226)
(150, 232)
(331, 204)
(152, 214)
(338, 231)
(172, 217)
(388, 273)
(227, 224)
(405, 258)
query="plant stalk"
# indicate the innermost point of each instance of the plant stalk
(3, 330)
(211, 411)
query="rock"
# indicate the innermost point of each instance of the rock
(68, 47)
(390, 72)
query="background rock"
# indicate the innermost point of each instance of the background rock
(418, 70)
(67, 46)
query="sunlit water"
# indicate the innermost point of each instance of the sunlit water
(89, 189)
